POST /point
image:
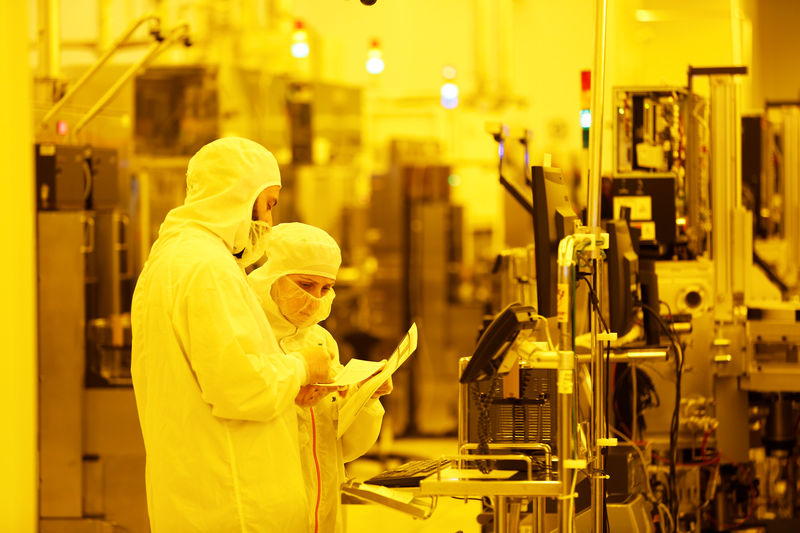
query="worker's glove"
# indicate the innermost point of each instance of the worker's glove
(310, 395)
(384, 389)
(318, 365)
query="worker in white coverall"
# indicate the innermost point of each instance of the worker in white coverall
(215, 393)
(295, 288)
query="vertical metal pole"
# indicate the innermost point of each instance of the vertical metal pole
(791, 183)
(596, 129)
(566, 389)
(593, 221)
(598, 412)
(103, 25)
(566, 372)
(500, 514)
(49, 13)
(539, 519)
(514, 506)
(692, 198)
(725, 186)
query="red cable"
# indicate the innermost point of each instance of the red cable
(752, 493)
(316, 464)
(705, 440)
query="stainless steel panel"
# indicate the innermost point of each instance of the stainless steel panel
(63, 525)
(112, 434)
(112, 424)
(61, 263)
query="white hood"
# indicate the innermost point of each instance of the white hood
(294, 248)
(223, 180)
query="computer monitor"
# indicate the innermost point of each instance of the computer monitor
(623, 276)
(488, 410)
(553, 219)
(489, 357)
(652, 201)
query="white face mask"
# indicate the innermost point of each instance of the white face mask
(257, 242)
(299, 307)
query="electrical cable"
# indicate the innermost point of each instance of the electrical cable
(484, 402)
(596, 304)
(674, 423)
(316, 464)
(595, 301)
(635, 406)
(648, 486)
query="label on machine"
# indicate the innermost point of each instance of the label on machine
(562, 303)
(566, 381)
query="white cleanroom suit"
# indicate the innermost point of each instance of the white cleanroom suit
(301, 249)
(215, 393)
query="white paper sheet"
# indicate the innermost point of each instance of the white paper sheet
(355, 371)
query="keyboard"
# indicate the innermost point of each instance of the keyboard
(408, 474)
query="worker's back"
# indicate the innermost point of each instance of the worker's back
(215, 395)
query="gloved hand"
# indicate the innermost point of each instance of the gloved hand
(310, 395)
(386, 388)
(318, 365)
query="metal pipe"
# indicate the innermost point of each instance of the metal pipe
(596, 129)
(593, 221)
(462, 458)
(501, 514)
(514, 506)
(791, 183)
(99, 63)
(463, 406)
(725, 187)
(565, 382)
(692, 169)
(49, 14)
(177, 33)
(548, 451)
(598, 412)
(566, 388)
(629, 356)
(566, 371)
(540, 507)
(483, 43)
(103, 24)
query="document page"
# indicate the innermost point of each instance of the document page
(355, 371)
(356, 401)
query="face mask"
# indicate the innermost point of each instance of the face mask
(256, 245)
(299, 307)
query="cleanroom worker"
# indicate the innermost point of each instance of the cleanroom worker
(295, 287)
(215, 393)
